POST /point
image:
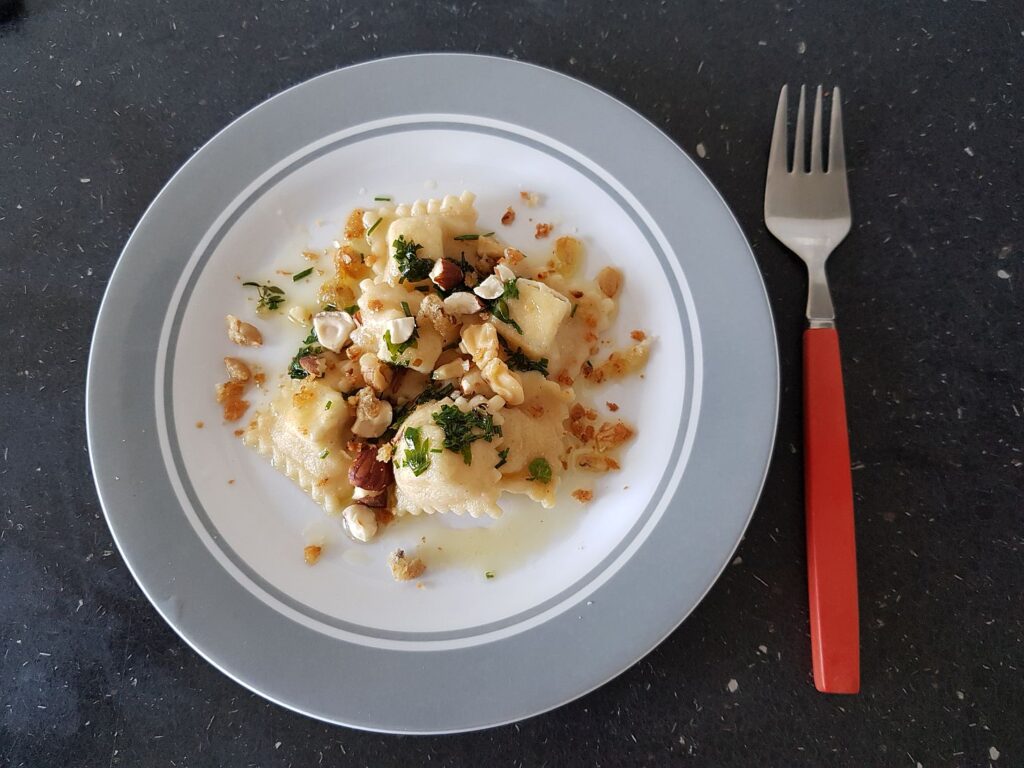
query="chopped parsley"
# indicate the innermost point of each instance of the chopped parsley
(503, 455)
(323, 454)
(397, 350)
(433, 392)
(411, 266)
(271, 297)
(304, 273)
(475, 236)
(461, 429)
(519, 361)
(417, 451)
(309, 347)
(540, 470)
(374, 226)
(328, 405)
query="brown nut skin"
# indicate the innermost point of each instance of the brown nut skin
(446, 274)
(368, 473)
(313, 365)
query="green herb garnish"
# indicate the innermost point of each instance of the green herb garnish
(574, 308)
(373, 226)
(352, 309)
(411, 266)
(433, 392)
(461, 429)
(323, 454)
(503, 455)
(488, 574)
(473, 236)
(519, 361)
(382, 197)
(540, 470)
(500, 306)
(295, 370)
(328, 405)
(304, 273)
(271, 297)
(405, 308)
(417, 451)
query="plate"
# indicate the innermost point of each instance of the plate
(579, 593)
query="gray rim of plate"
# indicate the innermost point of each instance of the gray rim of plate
(538, 669)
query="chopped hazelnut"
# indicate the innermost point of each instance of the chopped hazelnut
(237, 370)
(311, 554)
(542, 231)
(242, 333)
(446, 274)
(405, 568)
(508, 216)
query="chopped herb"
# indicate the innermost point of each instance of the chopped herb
(295, 370)
(488, 574)
(473, 236)
(373, 226)
(330, 308)
(271, 297)
(503, 455)
(405, 308)
(352, 309)
(416, 451)
(511, 290)
(518, 361)
(323, 454)
(304, 273)
(382, 197)
(463, 429)
(328, 405)
(574, 308)
(500, 310)
(433, 392)
(411, 266)
(396, 350)
(540, 470)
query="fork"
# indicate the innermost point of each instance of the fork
(809, 212)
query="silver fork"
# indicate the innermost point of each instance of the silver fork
(809, 211)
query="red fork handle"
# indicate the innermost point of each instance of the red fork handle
(831, 549)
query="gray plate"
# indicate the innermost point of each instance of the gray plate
(405, 689)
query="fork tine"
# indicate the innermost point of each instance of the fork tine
(816, 134)
(836, 151)
(777, 160)
(799, 156)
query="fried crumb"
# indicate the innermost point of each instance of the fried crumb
(596, 462)
(238, 432)
(229, 395)
(237, 369)
(530, 198)
(565, 379)
(405, 568)
(613, 407)
(637, 335)
(231, 481)
(310, 255)
(354, 228)
(283, 272)
(242, 333)
(542, 231)
(508, 216)
(260, 379)
(199, 425)
(611, 435)
(420, 585)
(582, 495)
(311, 554)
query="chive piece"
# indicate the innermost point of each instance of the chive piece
(405, 308)
(474, 236)
(304, 273)
(489, 574)
(328, 405)
(503, 455)
(383, 198)
(324, 453)
(374, 226)
(574, 308)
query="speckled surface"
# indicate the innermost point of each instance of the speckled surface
(101, 102)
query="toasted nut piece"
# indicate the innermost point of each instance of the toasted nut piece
(508, 216)
(567, 256)
(480, 342)
(582, 495)
(299, 315)
(446, 274)
(503, 273)
(374, 499)
(513, 256)
(376, 373)
(237, 370)
(314, 365)
(243, 334)
(609, 280)
(532, 199)
(373, 416)
(490, 288)
(542, 231)
(367, 473)
(611, 435)
(360, 521)
(432, 312)
(333, 329)
(385, 452)
(453, 370)
(354, 225)
(473, 383)
(405, 568)
(311, 554)
(462, 303)
(503, 381)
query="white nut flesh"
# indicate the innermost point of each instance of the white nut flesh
(373, 416)
(242, 333)
(462, 303)
(333, 329)
(452, 370)
(503, 273)
(360, 521)
(299, 315)
(491, 288)
(401, 329)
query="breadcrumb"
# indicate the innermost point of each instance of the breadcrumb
(582, 495)
(637, 335)
(613, 407)
(311, 554)
(508, 216)
(199, 425)
(237, 369)
(404, 568)
(611, 435)
(530, 198)
(542, 231)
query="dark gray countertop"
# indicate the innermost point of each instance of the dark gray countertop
(101, 102)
